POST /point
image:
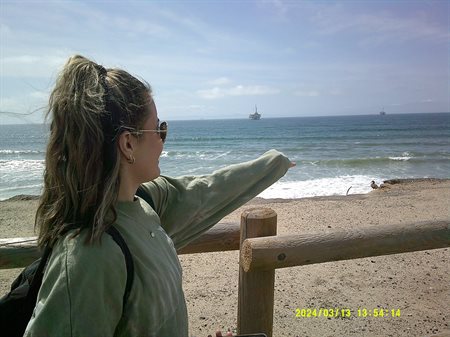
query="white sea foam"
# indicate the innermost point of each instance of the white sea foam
(15, 166)
(358, 184)
(221, 155)
(18, 188)
(19, 151)
(20, 177)
(400, 158)
(200, 156)
(404, 157)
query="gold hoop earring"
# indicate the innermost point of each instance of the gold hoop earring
(131, 160)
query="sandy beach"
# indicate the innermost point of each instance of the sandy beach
(417, 284)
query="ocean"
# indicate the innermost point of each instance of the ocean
(332, 154)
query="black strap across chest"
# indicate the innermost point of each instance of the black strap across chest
(117, 237)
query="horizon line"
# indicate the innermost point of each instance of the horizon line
(270, 117)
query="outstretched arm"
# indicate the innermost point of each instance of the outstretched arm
(190, 205)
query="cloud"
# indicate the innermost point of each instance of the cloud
(24, 102)
(137, 28)
(4, 30)
(378, 27)
(19, 109)
(335, 92)
(27, 65)
(317, 93)
(281, 8)
(239, 90)
(8, 104)
(21, 59)
(40, 95)
(220, 81)
(207, 38)
(307, 93)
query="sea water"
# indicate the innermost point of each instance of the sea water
(333, 154)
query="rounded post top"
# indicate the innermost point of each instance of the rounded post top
(259, 213)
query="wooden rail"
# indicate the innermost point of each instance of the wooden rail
(296, 250)
(20, 252)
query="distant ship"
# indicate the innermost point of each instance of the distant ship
(255, 116)
(382, 112)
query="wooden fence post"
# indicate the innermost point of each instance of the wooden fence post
(256, 288)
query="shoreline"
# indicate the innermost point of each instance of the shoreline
(390, 182)
(417, 283)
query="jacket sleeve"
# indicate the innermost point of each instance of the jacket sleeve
(82, 290)
(189, 205)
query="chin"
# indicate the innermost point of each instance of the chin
(155, 174)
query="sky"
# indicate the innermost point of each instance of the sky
(218, 59)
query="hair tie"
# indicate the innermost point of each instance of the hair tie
(102, 74)
(111, 118)
(101, 70)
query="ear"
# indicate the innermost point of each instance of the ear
(126, 144)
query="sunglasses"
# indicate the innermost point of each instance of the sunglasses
(161, 129)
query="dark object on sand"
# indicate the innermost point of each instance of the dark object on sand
(23, 197)
(373, 185)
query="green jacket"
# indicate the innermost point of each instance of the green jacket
(83, 285)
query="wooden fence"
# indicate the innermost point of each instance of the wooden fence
(261, 252)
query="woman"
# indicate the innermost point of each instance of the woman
(105, 141)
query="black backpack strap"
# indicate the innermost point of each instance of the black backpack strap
(117, 237)
(36, 281)
(144, 195)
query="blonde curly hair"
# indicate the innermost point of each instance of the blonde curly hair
(87, 107)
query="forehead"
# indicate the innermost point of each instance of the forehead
(152, 117)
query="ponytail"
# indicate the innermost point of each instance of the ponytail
(81, 179)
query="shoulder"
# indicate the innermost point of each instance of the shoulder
(155, 185)
(82, 289)
(104, 248)
(76, 254)
(155, 193)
